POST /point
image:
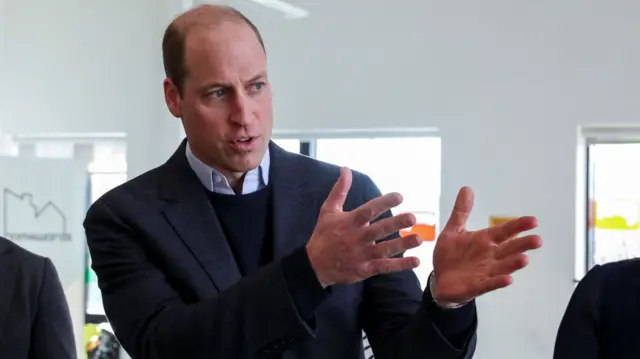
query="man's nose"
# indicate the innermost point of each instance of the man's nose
(242, 114)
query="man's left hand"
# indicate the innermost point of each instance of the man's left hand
(468, 264)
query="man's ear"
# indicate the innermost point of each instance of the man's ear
(172, 98)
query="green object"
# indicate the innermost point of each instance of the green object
(90, 276)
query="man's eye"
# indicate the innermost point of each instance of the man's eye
(258, 85)
(218, 93)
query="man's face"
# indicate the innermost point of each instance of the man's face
(225, 105)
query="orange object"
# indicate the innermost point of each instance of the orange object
(425, 231)
(593, 213)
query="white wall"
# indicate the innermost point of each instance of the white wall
(506, 82)
(77, 67)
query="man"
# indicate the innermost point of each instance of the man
(601, 320)
(235, 248)
(34, 316)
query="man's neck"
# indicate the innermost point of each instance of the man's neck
(226, 182)
(235, 182)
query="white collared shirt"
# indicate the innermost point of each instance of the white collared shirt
(214, 181)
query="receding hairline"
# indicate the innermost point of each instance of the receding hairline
(210, 17)
(206, 16)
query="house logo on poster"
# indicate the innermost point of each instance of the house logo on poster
(24, 219)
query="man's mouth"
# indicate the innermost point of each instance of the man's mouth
(244, 139)
(244, 143)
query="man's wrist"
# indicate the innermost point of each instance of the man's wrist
(434, 295)
(312, 261)
(305, 290)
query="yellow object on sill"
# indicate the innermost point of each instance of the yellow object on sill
(617, 223)
(499, 220)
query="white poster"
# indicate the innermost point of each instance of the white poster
(43, 203)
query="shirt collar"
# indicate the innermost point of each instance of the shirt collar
(214, 181)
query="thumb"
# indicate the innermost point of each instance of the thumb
(338, 194)
(461, 210)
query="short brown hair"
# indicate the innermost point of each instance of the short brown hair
(174, 45)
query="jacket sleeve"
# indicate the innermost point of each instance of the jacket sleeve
(52, 330)
(402, 322)
(255, 318)
(577, 335)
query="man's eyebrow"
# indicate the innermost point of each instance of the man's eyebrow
(217, 84)
(212, 85)
(258, 77)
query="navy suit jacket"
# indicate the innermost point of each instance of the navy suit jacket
(172, 288)
(602, 318)
(34, 316)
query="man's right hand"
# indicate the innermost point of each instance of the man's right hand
(343, 247)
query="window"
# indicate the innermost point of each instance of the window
(101, 183)
(408, 165)
(107, 170)
(291, 145)
(614, 202)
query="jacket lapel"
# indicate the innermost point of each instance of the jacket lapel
(294, 209)
(193, 218)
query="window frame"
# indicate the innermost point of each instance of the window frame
(309, 138)
(589, 136)
(93, 318)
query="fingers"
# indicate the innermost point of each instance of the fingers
(518, 245)
(501, 273)
(493, 283)
(338, 194)
(512, 228)
(375, 207)
(461, 210)
(391, 265)
(510, 264)
(393, 247)
(388, 226)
